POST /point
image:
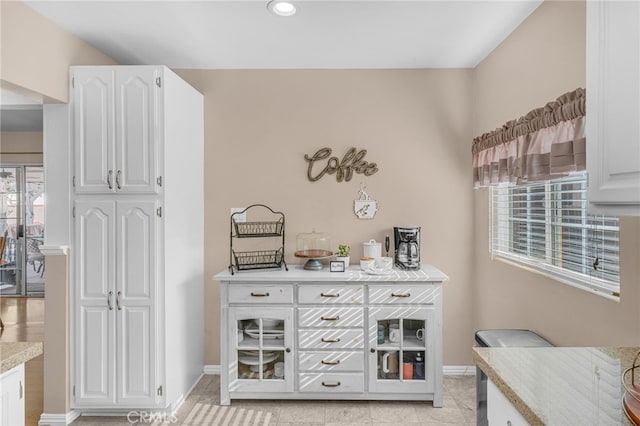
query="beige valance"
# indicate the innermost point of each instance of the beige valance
(547, 142)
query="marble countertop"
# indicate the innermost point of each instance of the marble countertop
(560, 386)
(297, 273)
(16, 353)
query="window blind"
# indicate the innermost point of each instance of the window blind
(546, 226)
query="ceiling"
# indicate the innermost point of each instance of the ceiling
(242, 34)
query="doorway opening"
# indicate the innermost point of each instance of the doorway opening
(22, 230)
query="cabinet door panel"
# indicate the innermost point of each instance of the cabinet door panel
(95, 302)
(136, 124)
(613, 107)
(93, 130)
(135, 301)
(257, 345)
(95, 248)
(136, 249)
(390, 350)
(136, 355)
(97, 378)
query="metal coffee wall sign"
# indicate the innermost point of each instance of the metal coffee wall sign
(321, 163)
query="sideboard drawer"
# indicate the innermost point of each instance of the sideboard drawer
(332, 382)
(260, 294)
(330, 294)
(403, 294)
(330, 317)
(330, 339)
(331, 361)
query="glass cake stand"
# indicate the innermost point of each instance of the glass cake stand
(314, 257)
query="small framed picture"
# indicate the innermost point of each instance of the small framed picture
(336, 266)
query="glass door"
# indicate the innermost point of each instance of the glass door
(400, 349)
(22, 230)
(261, 359)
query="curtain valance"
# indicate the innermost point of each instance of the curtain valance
(547, 142)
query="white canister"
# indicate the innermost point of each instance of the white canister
(372, 249)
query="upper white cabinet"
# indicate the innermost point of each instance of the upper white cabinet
(613, 107)
(116, 129)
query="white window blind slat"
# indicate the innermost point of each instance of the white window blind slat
(546, 226)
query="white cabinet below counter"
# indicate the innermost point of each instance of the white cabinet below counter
(499, 410)
(12, 396)
(319, 335)
(13, 355)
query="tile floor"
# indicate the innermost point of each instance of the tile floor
(459, 408)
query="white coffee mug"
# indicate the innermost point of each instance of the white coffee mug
(384, 262)
(240, 336)
(394, 333)
(367, 263)
(420, 334)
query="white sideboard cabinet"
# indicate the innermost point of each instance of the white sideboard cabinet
(613, 107)
(137, 198)
(321, 335)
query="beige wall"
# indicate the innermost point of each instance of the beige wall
(542, 59)
(414, 124)
(35, 56)
(36, 53)
(21, 147)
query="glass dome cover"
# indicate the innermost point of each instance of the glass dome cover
(313, 246)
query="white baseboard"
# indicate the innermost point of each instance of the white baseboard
(58, 419)
(212, 369)
(447, 370)
(459, 370)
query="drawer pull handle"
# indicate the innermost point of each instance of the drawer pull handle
(329, 295)
(401, 295)
(331, 385)
(330, 340)
(336, 362)
(336, 318)
(259, 294)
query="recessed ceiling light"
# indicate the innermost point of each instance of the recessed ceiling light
(281, 8)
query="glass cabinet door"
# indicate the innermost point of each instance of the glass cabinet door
(261, 358)
(11, 231)
(400, 349)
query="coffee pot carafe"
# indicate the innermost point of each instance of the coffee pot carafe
(407, 245)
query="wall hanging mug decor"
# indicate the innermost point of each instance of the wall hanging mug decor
(364, 207)
(352, 161)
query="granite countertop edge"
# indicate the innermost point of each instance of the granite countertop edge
(13, 354)
(530, 416)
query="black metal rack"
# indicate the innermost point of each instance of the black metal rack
(256, 259)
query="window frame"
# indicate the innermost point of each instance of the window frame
(503, 224)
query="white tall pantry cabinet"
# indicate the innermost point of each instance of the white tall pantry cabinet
(137, 309)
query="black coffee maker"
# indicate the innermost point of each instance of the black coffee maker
(407, 245)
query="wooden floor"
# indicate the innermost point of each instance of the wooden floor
(24, 322)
